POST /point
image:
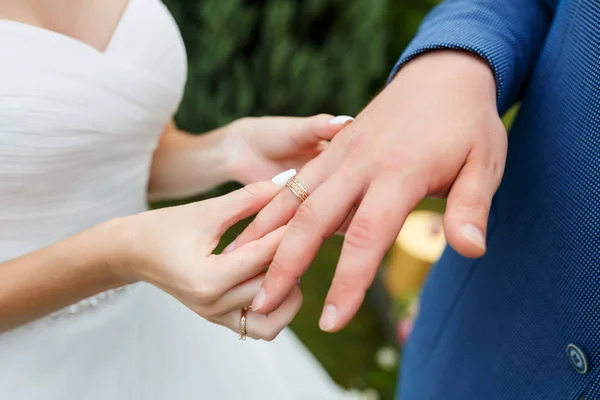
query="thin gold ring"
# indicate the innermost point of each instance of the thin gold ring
(243, 332)
(298, 189)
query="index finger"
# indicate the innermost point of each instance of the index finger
(240, 204)
(317, 128)
(249, 260)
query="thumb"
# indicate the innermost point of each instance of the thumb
(468, 208)
(315, 129)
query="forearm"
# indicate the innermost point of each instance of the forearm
(58, 275)
(185, 164)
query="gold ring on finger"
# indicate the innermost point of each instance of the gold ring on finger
(297, 188)
(243, 318)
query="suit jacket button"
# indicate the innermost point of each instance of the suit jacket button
(577, 358)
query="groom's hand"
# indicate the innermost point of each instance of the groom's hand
(434, 130)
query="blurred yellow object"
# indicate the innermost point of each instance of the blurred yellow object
(419, 245)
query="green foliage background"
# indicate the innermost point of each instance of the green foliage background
(288, 57)
(299, 57)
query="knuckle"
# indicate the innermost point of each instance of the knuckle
(474, 207)
(393, 163)
(270, 334)
(208, 313)
(252, 190)
(361, 233)
(297, 298)
(211, 311)
(273, 327)
(344, 285)
(495, 168)
(278, 269)
(209, 318)
(341, 285)
(355, 144)
(321, 119)
(259, 332)
(323, 116)
(305, 216)
(297, 136)
(236, 263)
(205, 291)
(486, 161)
(498, 129)
(253, 333)
(244, 122)
(252, 230)
(398, 159)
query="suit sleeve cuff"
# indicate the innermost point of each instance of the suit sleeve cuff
(497, 53)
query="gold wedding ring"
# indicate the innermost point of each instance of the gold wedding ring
(296, 187)
(243, 332)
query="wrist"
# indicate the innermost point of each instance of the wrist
(234, 150)
(185, 165)
(115, 249)
(455, 70)
(211, 148)
(217, 154)
(97, 251)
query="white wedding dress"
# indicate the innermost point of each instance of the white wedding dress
(77, 131)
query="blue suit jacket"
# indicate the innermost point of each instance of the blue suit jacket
(499, 328)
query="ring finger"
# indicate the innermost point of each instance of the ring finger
(283, 207)
(236, 298)
(265, 327)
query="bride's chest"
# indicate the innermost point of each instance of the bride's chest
(61, 99)
(68, 110)
(92, 22)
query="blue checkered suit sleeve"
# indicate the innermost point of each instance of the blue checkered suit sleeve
(509, 34)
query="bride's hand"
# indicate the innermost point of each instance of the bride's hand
(171, 248)
(258, 148)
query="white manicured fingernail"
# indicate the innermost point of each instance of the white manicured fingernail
(340, 120)
(473, 234)
(259, 300)
(328, 319)
(283, 177)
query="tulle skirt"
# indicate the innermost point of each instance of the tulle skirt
(145, 345)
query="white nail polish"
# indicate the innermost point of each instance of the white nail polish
(340, 120)
(283, 177)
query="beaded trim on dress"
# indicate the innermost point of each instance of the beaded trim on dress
(91, 303)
